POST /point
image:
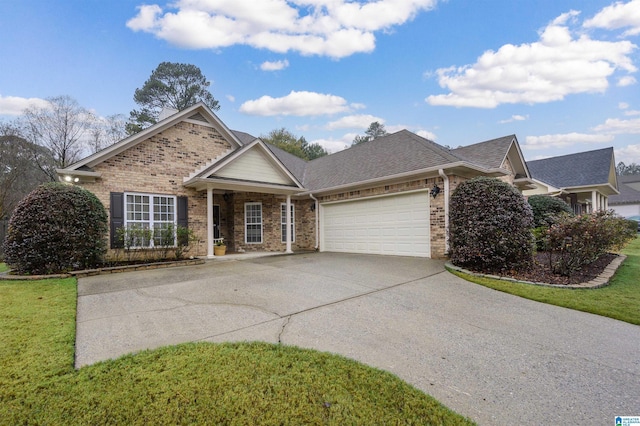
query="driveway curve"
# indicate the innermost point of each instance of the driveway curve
(496, 358)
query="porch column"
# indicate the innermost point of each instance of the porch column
(288, 216)
(210, 223)
(594, 201)
(606, 203)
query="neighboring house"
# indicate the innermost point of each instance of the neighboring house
(627, 203)
(584, 180)
(385, 196)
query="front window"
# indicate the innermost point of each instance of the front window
(150, 220)
(253, 223)
(283, 226)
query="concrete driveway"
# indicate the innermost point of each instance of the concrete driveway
(496, 358)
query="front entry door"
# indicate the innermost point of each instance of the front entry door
(216, 221)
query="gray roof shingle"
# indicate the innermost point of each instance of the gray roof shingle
(389, 155)
(490, 154)
(627, 195)
(581, 169)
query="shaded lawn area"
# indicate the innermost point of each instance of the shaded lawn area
(203, 383)
(619, 300)
(3, 267)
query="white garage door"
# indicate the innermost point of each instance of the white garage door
(397, 225)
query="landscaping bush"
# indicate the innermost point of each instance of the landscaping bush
(56, 228)
(575, 241)
(546, 209)
(490, 226)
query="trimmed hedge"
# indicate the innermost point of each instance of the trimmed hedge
(575, 241)
(56, 228)
(546, 209)
(490, 226)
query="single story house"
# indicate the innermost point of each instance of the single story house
(385, 196)
(627, 203)
(584, 180)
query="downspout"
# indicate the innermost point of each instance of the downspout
(445, 178)
(317, 209)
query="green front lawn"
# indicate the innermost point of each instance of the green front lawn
(251, 383)
(3, 267)
(619, 300)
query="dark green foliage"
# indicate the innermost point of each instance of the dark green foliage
(56, 228)
(546, 209)
(490, 226)
(579, 240)
(172, 85)
(287, 141)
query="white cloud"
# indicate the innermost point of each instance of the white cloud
(358, 121)
(630, 154)
(296, 103)
(334, 145)
(623, 105)
(618, 15)
(14, 105)
(627, 80)
(334, 28)
(274, 66)
(564, 140)
(514, 118)
(617, 126)
(427, 135)
(631, 113)
(231, 98)
(557, 65)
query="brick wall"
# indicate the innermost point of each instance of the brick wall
(158, 166)
(271, 223)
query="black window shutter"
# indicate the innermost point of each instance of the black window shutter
(116, 218)
(183, 215)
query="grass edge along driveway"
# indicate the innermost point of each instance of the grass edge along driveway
(619, 300)
(204, 383)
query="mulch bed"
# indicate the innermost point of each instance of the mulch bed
(541, 273)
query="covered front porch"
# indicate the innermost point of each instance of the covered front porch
(256, 217)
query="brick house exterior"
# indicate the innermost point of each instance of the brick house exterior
(191, 169)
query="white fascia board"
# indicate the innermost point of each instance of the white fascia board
(145, 134)
(514, 142)
(589, 188)
(200, 184)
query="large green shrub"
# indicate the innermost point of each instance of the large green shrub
(546, 209)
(576, 241)
(490, 226)
(56, 228)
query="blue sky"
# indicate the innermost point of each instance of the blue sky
(560, 74)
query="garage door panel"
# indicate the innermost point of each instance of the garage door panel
(396, 224)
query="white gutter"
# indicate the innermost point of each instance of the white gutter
(316, 210)
(445, 178)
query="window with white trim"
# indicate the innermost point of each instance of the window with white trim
(150, 220)
(283, 227)
(253, 223)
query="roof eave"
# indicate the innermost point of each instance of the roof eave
(132, 140)
(428, 171)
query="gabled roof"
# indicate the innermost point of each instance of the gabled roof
(629, 187)
(390, 155)
(256, 160)
(491, 153)
(199, 113)
(589, 168)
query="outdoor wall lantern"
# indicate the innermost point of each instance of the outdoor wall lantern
(226, 197)
(435, 190)
(313, 207)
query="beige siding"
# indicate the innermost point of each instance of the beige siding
(254, 166)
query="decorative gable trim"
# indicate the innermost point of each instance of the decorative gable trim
(217, 170)
(199, 110)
